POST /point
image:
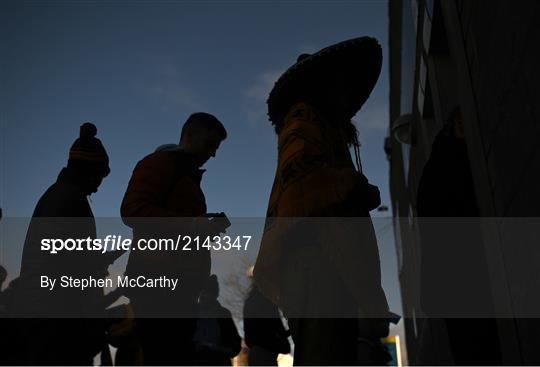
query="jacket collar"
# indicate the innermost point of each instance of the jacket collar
(188, 162)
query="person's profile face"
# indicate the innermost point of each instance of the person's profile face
(97, 178)
(203, 144)
(95, 183)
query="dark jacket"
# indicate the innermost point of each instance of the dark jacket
(62, 212)
(163, 194)
(454, 275)
(216, 338)
(263, 326)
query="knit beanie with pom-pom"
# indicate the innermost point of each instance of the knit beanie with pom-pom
(87, 150)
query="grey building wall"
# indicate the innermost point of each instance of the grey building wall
(500, 44)
(484, 57)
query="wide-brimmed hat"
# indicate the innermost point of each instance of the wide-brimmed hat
(356, 63)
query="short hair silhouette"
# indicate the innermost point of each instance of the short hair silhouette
(206, 120)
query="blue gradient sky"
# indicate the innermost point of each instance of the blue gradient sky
(138, 69)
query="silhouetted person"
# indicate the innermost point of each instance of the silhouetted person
(121, 335)
(321, 273)
(3, 277)
(264, 332)
(63, 212)
(216, 338)
(163, 196)
(6, 326)
(12, 347)
(6, 334)
(454, 276)
(8, 295)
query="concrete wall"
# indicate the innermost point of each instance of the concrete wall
(484, 56)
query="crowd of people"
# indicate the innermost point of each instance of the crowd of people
(311, 107)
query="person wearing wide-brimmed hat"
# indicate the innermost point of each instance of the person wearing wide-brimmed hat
(322, 272)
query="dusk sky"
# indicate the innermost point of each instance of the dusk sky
(138, 69)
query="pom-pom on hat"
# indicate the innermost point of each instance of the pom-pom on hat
(87, 149)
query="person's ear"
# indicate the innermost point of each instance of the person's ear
(186, 139)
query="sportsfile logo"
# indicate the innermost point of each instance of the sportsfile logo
(118, 243)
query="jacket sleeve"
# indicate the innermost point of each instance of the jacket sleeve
(148, 187)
